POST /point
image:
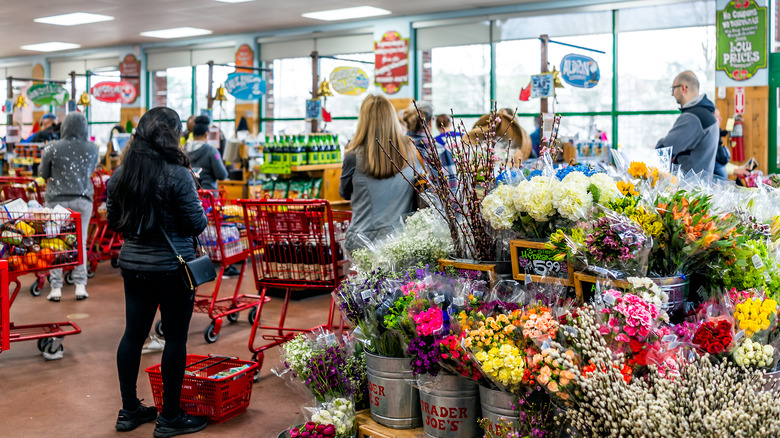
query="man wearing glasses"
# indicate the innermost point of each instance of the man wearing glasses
(694, 136)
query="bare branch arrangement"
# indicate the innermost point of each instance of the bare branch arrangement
(460, 206)
(551, 145)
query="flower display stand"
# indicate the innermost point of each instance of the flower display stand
(488, 268)
(533, 259)
(368, 428)
(585, 284)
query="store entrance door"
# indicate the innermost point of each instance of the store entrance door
(774, 114)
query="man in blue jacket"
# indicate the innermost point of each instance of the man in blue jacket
(694, 136)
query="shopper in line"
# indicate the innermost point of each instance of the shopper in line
(205, 160)
(416, 132)
(446, 129)
(380, 194)
(536, 138)
(694, 136)
(151, 193)
(68, 165)
(723, 156)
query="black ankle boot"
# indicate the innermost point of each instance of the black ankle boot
(129, 420)
(182, 424)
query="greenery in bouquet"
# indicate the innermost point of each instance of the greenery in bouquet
(326, 367)
(339, 413)
(423, 240)
(757, 268)
(693, 236)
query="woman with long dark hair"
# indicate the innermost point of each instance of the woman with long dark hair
(151, 191)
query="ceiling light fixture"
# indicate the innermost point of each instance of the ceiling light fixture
(53, 46)
(176, 32)
(73, 19)
(234, 1)
(347, 13)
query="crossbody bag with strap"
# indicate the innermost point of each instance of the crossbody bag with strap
(195, 272)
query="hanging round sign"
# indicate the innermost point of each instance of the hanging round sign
(245, 86)
(350, 81)
(114, 92)
(580, 71)
(48, 94)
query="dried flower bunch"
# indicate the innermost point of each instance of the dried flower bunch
(475, 166)
(709, 399)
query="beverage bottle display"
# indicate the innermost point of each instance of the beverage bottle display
(298, 268)
(300, 150)
(267, 150)
(310, 262)
(283, 260)
(338, 148)
(321, 154)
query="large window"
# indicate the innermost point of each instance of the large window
(172, 87)
(460, 79)
(345, 109)
(223, 112)
(102, 115)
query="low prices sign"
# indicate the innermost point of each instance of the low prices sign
(350, 81)
(391, 62)
(48, 94)
(131, 66)
(114, 92)
(741, 36)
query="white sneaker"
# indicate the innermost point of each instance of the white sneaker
(81, 292)
(154, 344)
(55, 294)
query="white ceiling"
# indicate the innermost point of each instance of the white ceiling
(135, 16)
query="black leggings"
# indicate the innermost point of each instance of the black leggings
(144, 292)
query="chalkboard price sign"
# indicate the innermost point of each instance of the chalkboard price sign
(532, 258)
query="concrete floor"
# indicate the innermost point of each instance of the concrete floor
(78, 396)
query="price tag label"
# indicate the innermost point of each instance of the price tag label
(366, 294)
(757, 262)
(459, 301)
(438, 299)
(609, 299)
(330, 339)
(669, 338)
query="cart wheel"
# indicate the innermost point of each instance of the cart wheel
(232, 317)
(48, 349)
(158, 328)
(91, 270)
(209, 335)
(252, 315)
(259, 357)
(115, 263)
(69, 277)
(35, 289)
(42, 343)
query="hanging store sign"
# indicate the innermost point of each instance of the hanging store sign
(131, 66)
(245, 57)
(542, 86)
(114, 92)
(350, 81)
(580, 71)
(245, 86)
(391, 62)
(48, 94)
(742, 39)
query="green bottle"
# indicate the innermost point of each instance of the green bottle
(267, 150)
(314, 156)
(322, 155)
(338, 148)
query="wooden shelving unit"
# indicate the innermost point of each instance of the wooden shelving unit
(314, 167)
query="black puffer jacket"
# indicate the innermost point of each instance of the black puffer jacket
(182, 216)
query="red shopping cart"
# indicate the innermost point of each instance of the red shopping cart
(225, 241)
(34, 241)
(294, 244)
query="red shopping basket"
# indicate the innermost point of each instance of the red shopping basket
(218, 399)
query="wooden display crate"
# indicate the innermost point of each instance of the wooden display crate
(583, 282)
(488, 268)
(543, 268)
(368, 428)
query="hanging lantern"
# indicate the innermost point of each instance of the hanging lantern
(220, 96)
(557, 83)
(21, 102)
(84, 100)
(324, 89)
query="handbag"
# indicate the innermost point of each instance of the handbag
(195, 272)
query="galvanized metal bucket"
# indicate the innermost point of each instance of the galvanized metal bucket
(450, 406)
(677, 288)
(392, 399)
(497, 405)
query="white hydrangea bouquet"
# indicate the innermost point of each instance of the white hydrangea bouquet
(423, 239)
(339, 412)
(535, 206)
